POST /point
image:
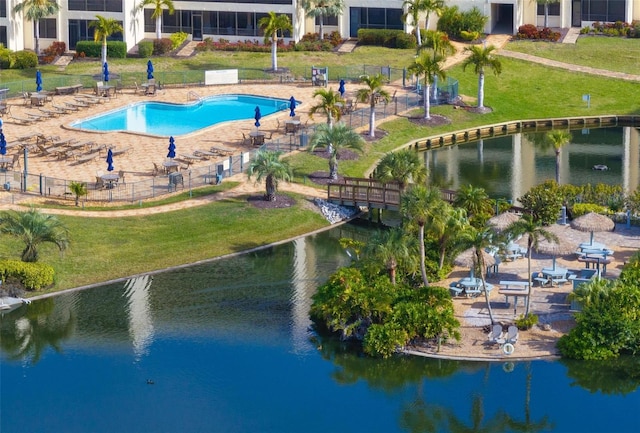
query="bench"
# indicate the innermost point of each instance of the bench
(596, 262)
(455, 289)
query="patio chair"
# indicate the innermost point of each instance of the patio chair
(496, 335)
(121, 176)
(151, 90)
(99, 182)
(156, 170)
(512, 334)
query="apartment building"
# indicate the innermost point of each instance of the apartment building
(238, 20)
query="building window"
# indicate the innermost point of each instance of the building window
(47, 28)
(213, 23)
(603, 10)
(553, 8)
(3, 36)
(3, 10)
(374, 18)
(330, 20)
(96, 5)
(79, 30)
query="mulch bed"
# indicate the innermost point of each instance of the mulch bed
(281, 202)
(322, 178)
(379, 133)
(435, 120)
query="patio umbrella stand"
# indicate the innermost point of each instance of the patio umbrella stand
(257, 116)
(149, 70)
(593, 222)
(38, 81)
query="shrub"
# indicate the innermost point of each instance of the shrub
(25, 60)
(453, 22)
(162, 46)
(386, 38)
(335, 38)
(116, 49)
(469, 36)
(178, 39)
(544, 202)
(34, 276)
(57, 48)
(145, 49)
(89, 48)
(529, 31)
(580, 209)
(526, 322)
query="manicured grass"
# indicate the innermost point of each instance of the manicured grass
(612, 54)
(104, 249)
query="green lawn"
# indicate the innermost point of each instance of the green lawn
(103, 249)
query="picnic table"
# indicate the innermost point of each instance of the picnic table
(517, 289)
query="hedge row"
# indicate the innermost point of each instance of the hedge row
(386, 38)
(115, 49)
(34, 276)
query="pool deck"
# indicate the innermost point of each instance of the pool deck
(137, 163)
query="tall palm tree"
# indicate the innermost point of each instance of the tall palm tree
(273, 24)
(440, 44)
(390, 247)
(535, 232)
(268, 165)
(34, 228)
(321, 9)
(329, 105)
(479, 239)
(413, 9)
(429, 66)
(78, 189)
(448, 234)
(559, 138)
(158, 5)
(334, 139)
(481, 58)
(104, 27)
(476, 202)
(403, 166)
(373, 93)
(35, 10)
(421, 205)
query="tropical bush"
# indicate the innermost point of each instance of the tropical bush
(115, 49)
(162, 46)
(544, 202)
(17, 59)
(580, 209)
(454, 22)
(386, 38)
(57, 48)
(178, 39)
(526, 322)
(33, 276)
(529, 31)
(145, 49)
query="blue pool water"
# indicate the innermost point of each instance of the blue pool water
(165, 119)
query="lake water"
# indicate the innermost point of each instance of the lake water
(507, 167)
(227, 348)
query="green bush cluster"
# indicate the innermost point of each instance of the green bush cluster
(386, 38)
(34, 276)
(115, 49)
(580, 209)
(469, 36)
(366, 307)
(544, 202)
(454, 22)
(162, 46)
(526, 322)
(17, 59)
(145, 49)
(178, 39)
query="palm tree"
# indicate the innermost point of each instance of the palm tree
(430, 67)
(35, 10)
(389, 247)
(448, 232)
(412, 16)
(440, 44)
(373, 93)
(535, 233)
(104, 27)
(268, 165)
(559, 138)
(271, 25)
(34, 228)
(403, 166)
(421, 205)
(329, 105)
(157, 12)
(321, 9)
(481, 58)
(335, 138)
(476, 202)
(78, 189)
(479, 239)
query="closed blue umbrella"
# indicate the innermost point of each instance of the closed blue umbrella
(105, 71)
(109, 160)
(149, 70)
(341, 89)
(3, 144)
(292, 106)
(258, 116)
(172, 148)
(38, 81)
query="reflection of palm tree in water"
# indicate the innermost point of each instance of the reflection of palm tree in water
(28, 337)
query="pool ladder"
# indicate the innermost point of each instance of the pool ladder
(193, 96)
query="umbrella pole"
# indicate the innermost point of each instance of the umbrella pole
(591, 241)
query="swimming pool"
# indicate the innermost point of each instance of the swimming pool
(164, 119)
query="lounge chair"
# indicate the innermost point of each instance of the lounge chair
(50, 113)
(151, 90)
(37, 116)
(512, 334)
(496, 335)
(63, 108)
(24, 120)
(76, 104)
